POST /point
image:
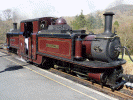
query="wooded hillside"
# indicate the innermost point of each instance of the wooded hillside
(94, 22)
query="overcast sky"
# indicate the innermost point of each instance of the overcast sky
(40, 8)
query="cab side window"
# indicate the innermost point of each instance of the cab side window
(43, 25)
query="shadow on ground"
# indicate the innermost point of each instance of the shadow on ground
(13, 68)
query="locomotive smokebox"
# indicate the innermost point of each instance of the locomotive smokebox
(108, 22)
(14, 26)
(107, 45)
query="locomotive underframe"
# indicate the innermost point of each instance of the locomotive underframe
(104, 76)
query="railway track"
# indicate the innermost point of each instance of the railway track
(123, 94)
(118, 94)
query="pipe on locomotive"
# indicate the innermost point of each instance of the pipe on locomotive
(78, 49)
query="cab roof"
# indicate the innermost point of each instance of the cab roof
(37, 19)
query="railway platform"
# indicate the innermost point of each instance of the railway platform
(22, 81)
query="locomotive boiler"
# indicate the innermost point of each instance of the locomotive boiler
(51, 41)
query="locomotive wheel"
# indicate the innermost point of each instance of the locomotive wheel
(47, 63)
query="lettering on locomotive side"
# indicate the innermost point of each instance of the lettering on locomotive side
(52, 46)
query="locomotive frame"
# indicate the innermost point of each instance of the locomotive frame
(52, 42)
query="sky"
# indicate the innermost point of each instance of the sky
(58, 8)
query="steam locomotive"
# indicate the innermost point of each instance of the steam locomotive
(50, 41)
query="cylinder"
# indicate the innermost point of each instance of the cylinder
(108, 22)
(96, 76)
(78, 48)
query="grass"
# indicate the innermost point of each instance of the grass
(126, 57)
(128, 67)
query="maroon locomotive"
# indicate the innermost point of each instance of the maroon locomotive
(50, 41)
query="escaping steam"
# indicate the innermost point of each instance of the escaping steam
(32, 10)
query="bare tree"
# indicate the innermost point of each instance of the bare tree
(124, 31)
(7, 14)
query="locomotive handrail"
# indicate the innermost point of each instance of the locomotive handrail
(107, 37)
(127, 52)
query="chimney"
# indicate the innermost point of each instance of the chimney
(108, 22)
(15, 26)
